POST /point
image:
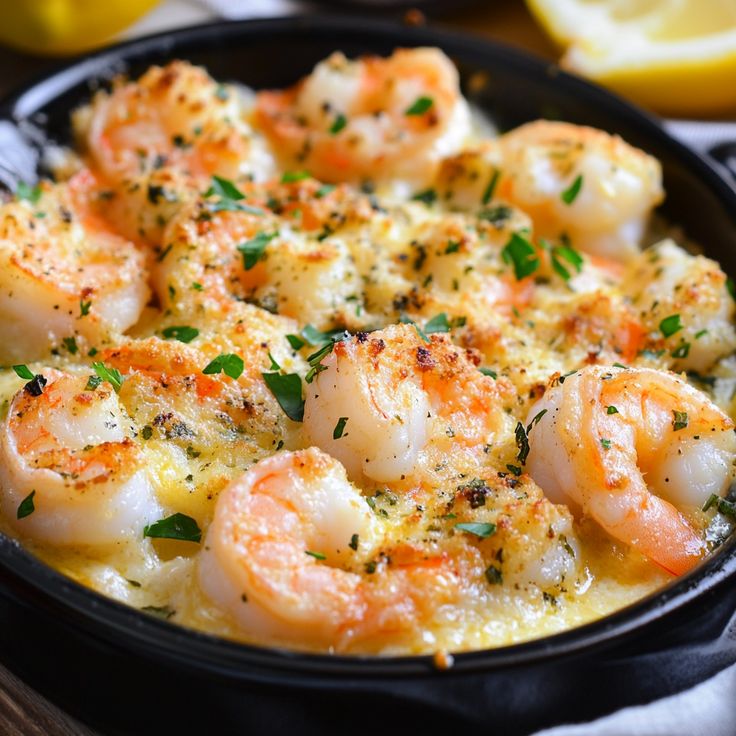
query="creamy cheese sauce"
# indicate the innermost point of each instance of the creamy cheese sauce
(359, 265)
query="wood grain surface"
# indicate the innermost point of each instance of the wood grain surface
(24, 712)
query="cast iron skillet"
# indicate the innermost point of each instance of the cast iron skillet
(127, 672)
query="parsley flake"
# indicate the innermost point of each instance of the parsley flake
(289, 177)
(477, 529)
(419, 106)
(493, 575)
(23, 371)
(670, 325)
(176, 526)
(111, 375)
(229, 196)
(522, 254)
(679, 420)
(182, 333)
(337, 433)
(570, 194)
(26, 507)
(253, 250)
(339, 124)
(316, 555)
(491, 188)
(228, 363)
(287, 390)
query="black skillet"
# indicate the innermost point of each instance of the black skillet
(128, 673)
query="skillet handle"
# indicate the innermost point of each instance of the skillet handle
(716, 140)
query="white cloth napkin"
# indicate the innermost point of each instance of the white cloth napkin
(706, 710)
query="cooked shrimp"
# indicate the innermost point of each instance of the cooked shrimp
(71, 447)
(611, 186)
(630, 447)
(278, 558)
(371, 119)
(398, 393)
(157, 141)
(667, 283)
(64, 273)
(287, 271)
(175, 115)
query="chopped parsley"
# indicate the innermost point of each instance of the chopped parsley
(679, 420)
(111, 375)
(496, 215)
(316, 555)
(439, 323)
(611, 409)
(522, 442)
(522, 254)
(147, 432)
(488, 372)
(253, 250)
(287, 390)
(27, 192)
(23, 371)
(493, 575)
(290, 177)
(491, 188)
(229, 196)
(670, 325)
(182, 333)
(92, 383)
(84, 307)
(419, 106)
(176, 526)
(570, 194)
(682, 350)
(428, 196)
(26, 507)
(353, 544)
(228, 363)
(535, 420)
(606, 444)
(568, 253)
(296, 342)
(339, 124)
(70, 343)
(453, 246)
(481, 530)
(727, 508)
(337, 433)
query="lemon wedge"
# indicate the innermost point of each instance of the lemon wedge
(675, 56)
(58, 27)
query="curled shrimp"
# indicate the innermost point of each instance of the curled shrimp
(297, 274)
(157, 141)
(580, 181)
(630, 447)
(175, 115)
(285, 556)
(64, 273)
(667, 282)
(396, 394)
(71, 448)
(370, 119)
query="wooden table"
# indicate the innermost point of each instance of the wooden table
(23, 712)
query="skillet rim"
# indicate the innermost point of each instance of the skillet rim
(195, 650)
